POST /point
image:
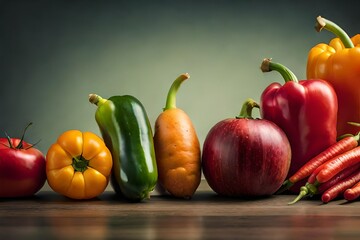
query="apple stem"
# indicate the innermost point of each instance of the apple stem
(246, 109)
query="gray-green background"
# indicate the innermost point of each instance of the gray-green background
(54, 53)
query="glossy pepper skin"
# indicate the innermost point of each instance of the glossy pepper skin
(339, 64)
(305, 110)
(127, 132)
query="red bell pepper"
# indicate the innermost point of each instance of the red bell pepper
(305, 110)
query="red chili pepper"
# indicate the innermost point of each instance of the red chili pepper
(337, 178)
(345, 144)
(337, 164)
(334, 165)
(340, 188)
(317, 188)
(312, 177)
(352, 193)
(306, 110)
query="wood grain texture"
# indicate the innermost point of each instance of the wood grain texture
(205, 216)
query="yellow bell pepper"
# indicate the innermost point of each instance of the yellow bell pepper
(78, 165)
(339, 64)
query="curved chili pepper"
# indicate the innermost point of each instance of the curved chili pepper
(306, 110)
(338, 63)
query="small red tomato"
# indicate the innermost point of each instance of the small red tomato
(22, 168)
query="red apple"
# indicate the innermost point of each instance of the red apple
(246, 157)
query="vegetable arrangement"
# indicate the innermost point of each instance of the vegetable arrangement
(306, 141)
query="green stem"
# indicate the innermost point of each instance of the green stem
(171, 97)
(312, 188)
(356, 137)
(285, 186)
(304, 192)
(96, 99)
(246, 109)
(80, 164)
(21, 143)
(267, 66)
(323, 23)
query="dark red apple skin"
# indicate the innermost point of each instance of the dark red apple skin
(246, 157)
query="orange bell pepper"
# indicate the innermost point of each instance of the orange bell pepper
(78, 165)
(339, 64)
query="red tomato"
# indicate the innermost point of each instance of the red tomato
(22, 168)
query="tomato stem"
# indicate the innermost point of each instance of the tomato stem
(323, 23)
(246, 109)
(80, 164)
(267, 66)
(171, 97)
(9, 140)
(20, 145)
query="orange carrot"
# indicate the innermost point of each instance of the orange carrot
(177, 148)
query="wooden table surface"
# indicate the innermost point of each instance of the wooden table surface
(206, 216)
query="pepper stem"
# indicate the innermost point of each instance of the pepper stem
(285, 186)
(267, 66)
(323, 23)
(303, 193)
(96, 99)
(246, 109)
(171, 97)
(356, 137)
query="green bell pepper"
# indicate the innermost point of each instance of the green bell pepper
(127, 132)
